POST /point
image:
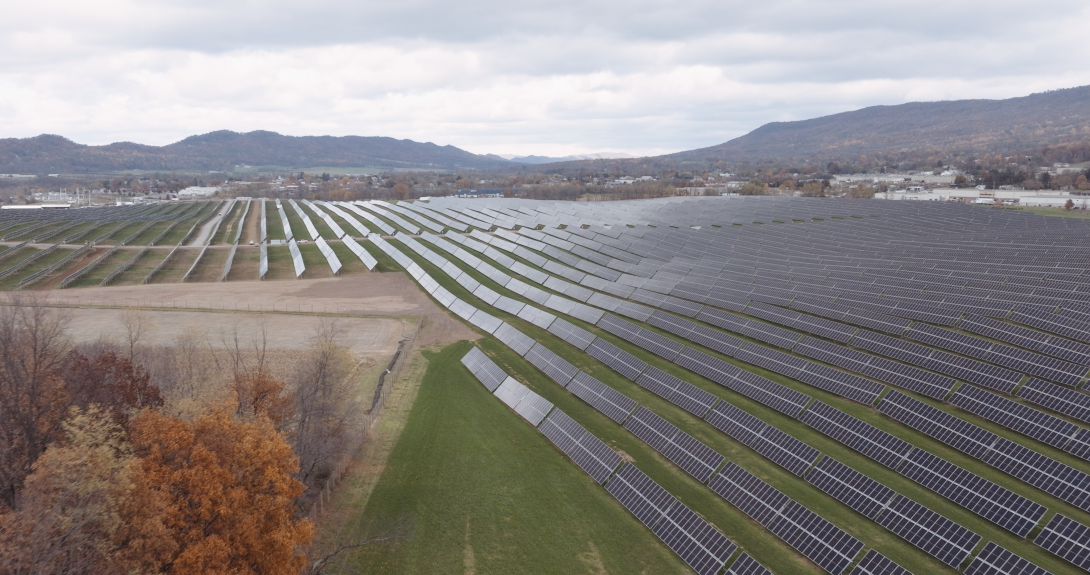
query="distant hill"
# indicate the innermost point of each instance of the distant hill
(223, 150)
(961, 126)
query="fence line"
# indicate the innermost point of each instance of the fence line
(386, 381)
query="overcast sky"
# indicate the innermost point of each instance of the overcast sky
(550, 77)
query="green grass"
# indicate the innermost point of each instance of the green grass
(228, 225)
(298, 228)
(245, 265)
(94, 277)
(1060, 212)
(273, 226)
(385, 262)
(140, 269)
(280, 265)
(182, 228)
(174, 269)
(315, 262)
(349, 228)
(319, 224)
(210, 268)
(889, 544)
(472, 478)
(11, 281)
(123, 233)
(150, 233)
(15, 230)
(350, 262)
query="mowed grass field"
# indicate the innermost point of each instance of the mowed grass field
(873, 535)
(482, 491)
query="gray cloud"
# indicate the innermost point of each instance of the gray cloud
(537, 77)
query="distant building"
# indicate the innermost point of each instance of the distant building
(198, 192)
(481, 193)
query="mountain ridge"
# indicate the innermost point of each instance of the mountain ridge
(225, 149)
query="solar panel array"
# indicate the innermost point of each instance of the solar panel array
(673, 283)
(587, 451)
(874, 563)
(825, 544)
(995, 560)
(1068, 539)
(699, 544)
(687, 452)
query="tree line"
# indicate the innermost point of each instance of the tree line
(191, 457)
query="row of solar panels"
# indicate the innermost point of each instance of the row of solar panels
(1030, 362)
(896, 374)
(687, 452)
(954, 316)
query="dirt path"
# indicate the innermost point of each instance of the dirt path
(251, 227)
(202, 236)
(59, 277)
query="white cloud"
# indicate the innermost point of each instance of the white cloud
(554, 78)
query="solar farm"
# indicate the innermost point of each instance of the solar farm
(825, 386)
(764, 385)
(241, 239)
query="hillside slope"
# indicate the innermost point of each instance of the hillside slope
(223, 150)
(961, 126)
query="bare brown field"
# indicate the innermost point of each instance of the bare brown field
(392, 295)
(363, 336)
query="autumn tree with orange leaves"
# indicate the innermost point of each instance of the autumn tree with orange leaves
(230, 494)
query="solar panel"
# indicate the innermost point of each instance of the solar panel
(874, 563)
(934, 534)
(1015, 416)
(750, 495)
(735, 422)
(587, 451)
(519, 342)
(1042, 472)
(614, 404)
(551, 364)
(995, 560)
(850, 487)
(1080, 445)
(681, 393)
(784, 450)
(992, 502)
(538, 317)
(533, 407)
(511, 392)
(863, 437)
(1059, 399)
(1067, 539)
(832, 548)
(949, 429)
(746, 565)
(687, 452)
(639, 494)
(571, 333)
(616, 358)
(696, 541)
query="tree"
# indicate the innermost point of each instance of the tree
(752, 189)
(33, 399)
(1082, 183)
(401, 191)
(1069, 204)
(258, 395)
(229, 493)
(136, 324)
(112, 382)
(87, 508)
(325, 408)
